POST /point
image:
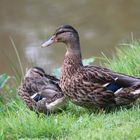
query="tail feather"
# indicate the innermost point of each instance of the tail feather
(127, 97)
(136, 92)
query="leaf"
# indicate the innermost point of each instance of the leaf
(56, 72)
(3, 79)
(88, 61)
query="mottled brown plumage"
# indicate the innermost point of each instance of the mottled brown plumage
(41, 92)
(91, 86)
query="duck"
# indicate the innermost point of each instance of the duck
(41, 92)
(91, 86)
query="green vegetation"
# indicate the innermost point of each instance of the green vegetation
(74, 123)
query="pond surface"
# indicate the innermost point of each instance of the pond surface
(102, 25)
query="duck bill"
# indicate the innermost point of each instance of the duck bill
(49, 42)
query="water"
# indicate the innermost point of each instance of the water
(102, 25)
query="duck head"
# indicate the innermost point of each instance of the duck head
(65, 34)
(35, 72)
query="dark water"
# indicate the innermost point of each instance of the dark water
(102, 25)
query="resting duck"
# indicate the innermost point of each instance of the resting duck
(41, 91)
(91, 86)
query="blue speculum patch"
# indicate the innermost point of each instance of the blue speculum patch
(113, 87)
(37, 97)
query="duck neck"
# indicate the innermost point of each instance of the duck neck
(73, 59)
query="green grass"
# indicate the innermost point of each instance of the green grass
(75, 123)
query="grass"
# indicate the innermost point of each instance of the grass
(75, 123)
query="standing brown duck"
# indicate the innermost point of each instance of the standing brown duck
(91, 86)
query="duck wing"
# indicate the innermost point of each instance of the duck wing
(104, 76)
(102, 87)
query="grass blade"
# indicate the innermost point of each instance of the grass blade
(17, 54)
